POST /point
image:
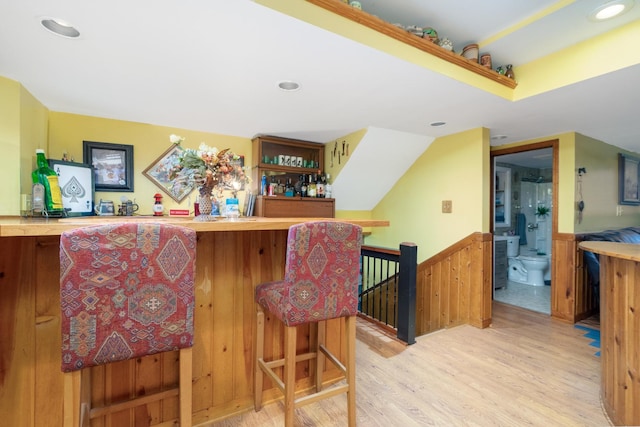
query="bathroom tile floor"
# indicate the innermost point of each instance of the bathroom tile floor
(535, 298)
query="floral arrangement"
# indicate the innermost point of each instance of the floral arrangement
(208, 168)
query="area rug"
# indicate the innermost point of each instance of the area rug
(593, 335)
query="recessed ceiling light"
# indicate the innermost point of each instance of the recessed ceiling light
(436, 124)
(60, 27)
(610, 10)
(289, 86)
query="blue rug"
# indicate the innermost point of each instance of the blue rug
(593, 335)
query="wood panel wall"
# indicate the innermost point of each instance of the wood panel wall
(229, 266)
(572, 299)
(454, 286)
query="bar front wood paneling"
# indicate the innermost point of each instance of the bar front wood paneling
(232, 258)
(619, 329)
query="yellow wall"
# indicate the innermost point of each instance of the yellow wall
(353, 139)
(23, 128)
(10, 146)
(600, 187)
(452, 168)
(67, 131)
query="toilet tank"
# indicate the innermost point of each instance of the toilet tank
(513, 246)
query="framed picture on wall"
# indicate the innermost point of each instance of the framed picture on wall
(112, 165)
(628, 174)
(76, 185)
(158, 172)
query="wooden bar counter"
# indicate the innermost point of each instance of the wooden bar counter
(619, 329)
(232, 258)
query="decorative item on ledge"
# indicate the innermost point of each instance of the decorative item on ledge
(485, 60)
(213, 171)
(470, 52)
(509, 72)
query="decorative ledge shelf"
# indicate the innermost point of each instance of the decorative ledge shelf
(377, 24)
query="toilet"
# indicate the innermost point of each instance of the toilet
(525, 269)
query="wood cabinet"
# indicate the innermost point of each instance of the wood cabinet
(297, 207)
(280, 159)
(500, 264)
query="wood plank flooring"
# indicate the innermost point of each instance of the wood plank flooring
(523, 370)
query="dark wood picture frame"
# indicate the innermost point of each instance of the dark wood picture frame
(77, 186)
(112, 165)
(158, 173)
(628, 178)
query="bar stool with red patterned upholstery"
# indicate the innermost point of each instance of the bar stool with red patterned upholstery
(321, 279)
(126, 291)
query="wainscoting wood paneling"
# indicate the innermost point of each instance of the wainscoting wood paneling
(563, 280)
(572, 299)
(454, 286)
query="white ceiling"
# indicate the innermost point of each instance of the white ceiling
(213, 66)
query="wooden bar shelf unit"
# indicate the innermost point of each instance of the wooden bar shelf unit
(268, 152)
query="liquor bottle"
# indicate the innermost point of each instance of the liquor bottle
(49, 179)
(311, 187)
(319, 185)
(288, 188)
(272, 187)
(328, 188)
(263, 185)
(303, 187)
(297, 187)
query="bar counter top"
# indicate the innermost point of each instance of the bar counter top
(17, 226)
(628, 251)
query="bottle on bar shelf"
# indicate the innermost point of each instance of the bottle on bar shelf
(49, 179)
(311, 187)
(303, 187)
(328, 188)
(319, 185)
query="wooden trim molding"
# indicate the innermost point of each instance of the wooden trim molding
(388, 29)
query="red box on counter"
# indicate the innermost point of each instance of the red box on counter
(178, 212)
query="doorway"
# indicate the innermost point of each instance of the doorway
(524, 216)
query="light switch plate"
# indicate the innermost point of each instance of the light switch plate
(447, 206)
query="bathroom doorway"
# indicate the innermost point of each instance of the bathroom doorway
(530, 200)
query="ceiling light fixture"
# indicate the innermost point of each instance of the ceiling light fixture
(610, 10)
(60, 27)
(436, 124)
(289, 86)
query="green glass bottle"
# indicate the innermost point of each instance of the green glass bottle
(49, 179)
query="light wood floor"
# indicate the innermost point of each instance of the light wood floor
(524, 370)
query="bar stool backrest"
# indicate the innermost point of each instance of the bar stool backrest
(322, 274)
(126, 291)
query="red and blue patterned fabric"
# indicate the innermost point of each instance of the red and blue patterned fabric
(126, 290)
(322, 271)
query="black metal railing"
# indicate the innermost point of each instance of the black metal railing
(388, 289)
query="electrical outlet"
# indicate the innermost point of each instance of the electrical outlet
(447, 206)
